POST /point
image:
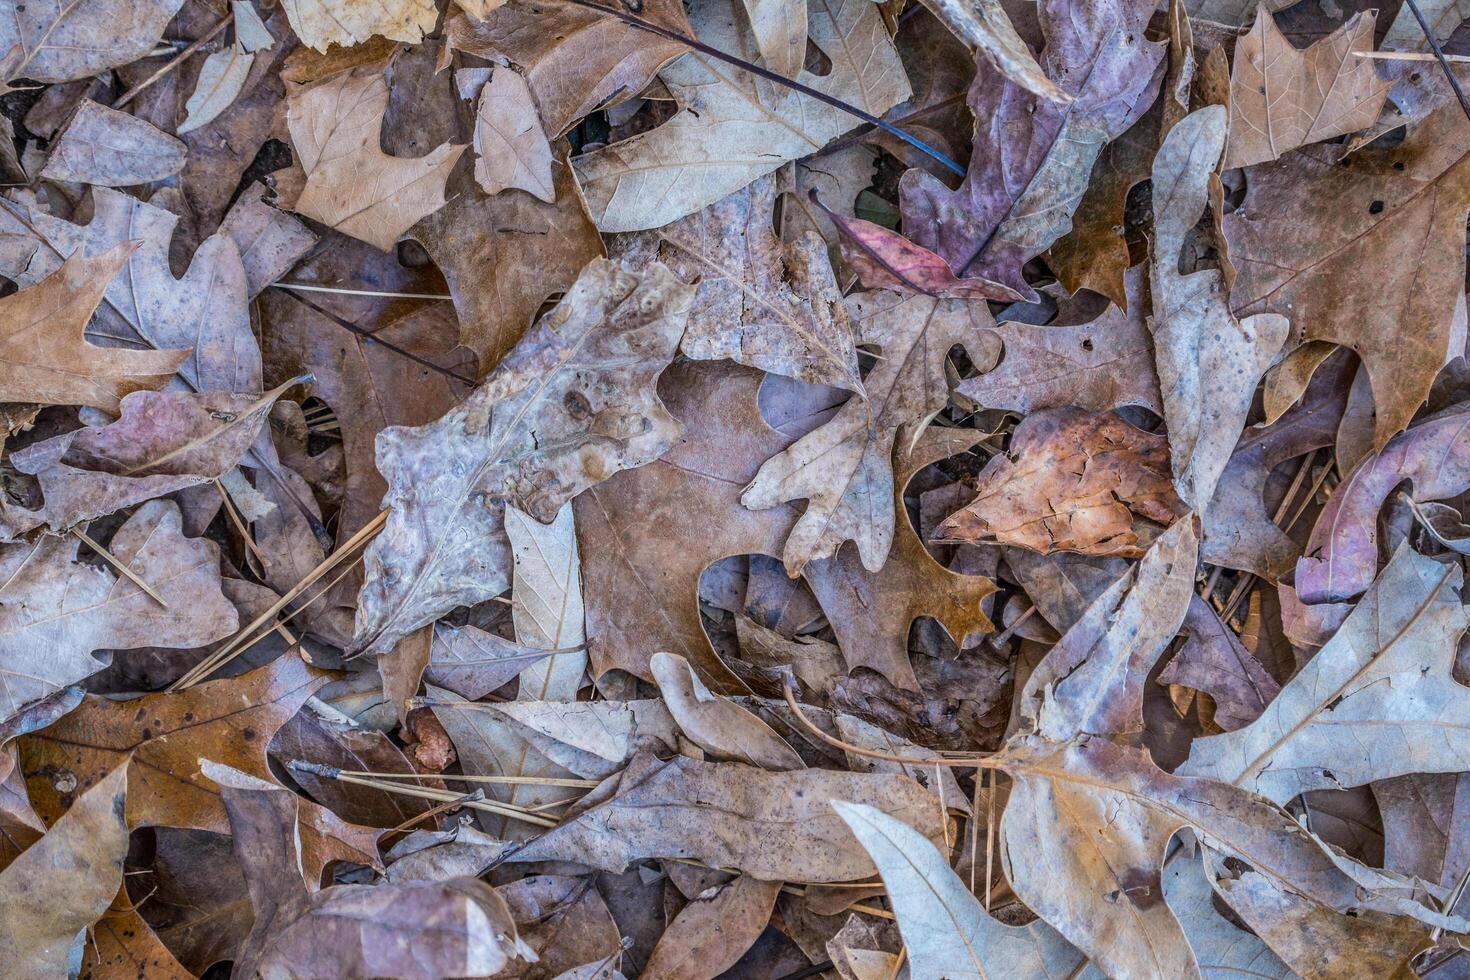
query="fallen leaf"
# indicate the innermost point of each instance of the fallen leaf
(843, 469)
(1213, 660)
(1031, 156)
(56, 612)
(545, 425)
(758, 301)
(1386, 670)
(779, 27)
(67, 369)
(57, 43)
(224, 73)
(321, 23)
(122, 943)
(1071, 481)
(472, 663)
(1208, 362)
(884, 259)
(63, 883)
(646, 181)
(509, 141)
(712, 932)
(725, 730)
(1282, 98)
(113, 149)
(351, 184)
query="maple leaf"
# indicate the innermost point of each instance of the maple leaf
(351, 184)
(571, 405)
(63, 368)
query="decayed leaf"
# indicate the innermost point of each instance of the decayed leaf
(351, 184)
(164, 441)
(713, 931)
(1208, 362)
(64, 882)
(320, 23)
(1282, 98)
(718, 725)
(509, 141)
(113, 149)
(63, 368)
(571, 405)
(779, 27)
(872, 613)
(1398, 211)
(775, 826)
(884, 259)
(1213, 660)
(224, 73)
(1385, 671)
(505, 255)
(1072, 481)
(1104, 363)
(947, 932)
(704, 152)
(844, 468)
(1342, 553)
(647, 534)
(574, 59)
(55, 611)
(160, 738)
(51, 42)
(759, 301)
(1031, 156)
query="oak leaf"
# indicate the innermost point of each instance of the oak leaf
(321, 23)
(1213, 660)
(351, 184)
(1282, 98)
(571, 405)
(509, 140)
(64, 368)
(725, 730)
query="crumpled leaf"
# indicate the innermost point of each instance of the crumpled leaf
(572, 404)
(1208, 362)
(1385, 671)
(160, 738)
(775, 826)
(758, 301)
(55, 611)
(224, 73)
(113, 149)
(947, 932)
(844, 468)
(51, 42)
(63, 883)
(66, 369)
(1031, 157)
(321, 23)
(1213, 660)
(725, 730)
(1399, 211)
(574, 59)
(704, 152)
(509, 141)
(1072, 481)
(1105, 363)
(1342, 552)
(1282, 98)
(351, 184)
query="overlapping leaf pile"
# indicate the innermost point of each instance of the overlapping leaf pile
(544, 489)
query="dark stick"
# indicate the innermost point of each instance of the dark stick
(1439, 53)
(771, 76)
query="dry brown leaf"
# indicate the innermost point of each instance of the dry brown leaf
(56, 611)
(321, 23)
(351, 184)
(113, 149)
(160, 738)
(844, 469)
(122, 944)
(713, 931)
(779, 27)
(66, 369)
(563, 920)
(224, 73)
(759, 301)
(64, 882)
(509, 140)
(59, 42)
(573, 404)
(1072, 481)
(472, 663)
(704, 152)
(1282, 98)
(1213, 660)
(725, 730)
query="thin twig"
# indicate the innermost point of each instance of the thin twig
(1458, 59)
(1440, 55)
(770, 76)
(178, 59)
(531, 780)
(434, 811)
(112, 560)
(238, 520)
(303, 287)
(423, 793)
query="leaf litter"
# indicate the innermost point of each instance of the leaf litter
(562, 489)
